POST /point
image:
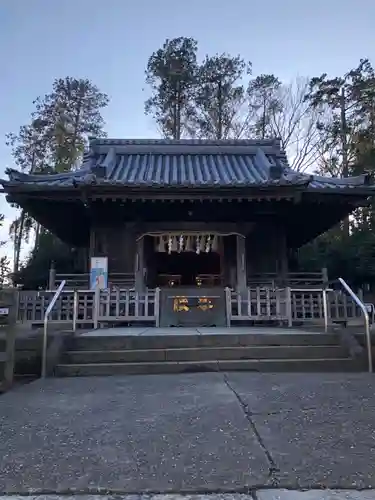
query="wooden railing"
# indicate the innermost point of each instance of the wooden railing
(201, 280)
(291, 305)
(307, 304)
(89, 308)
(210, 280)
(127, 280)
(128, 306)
(258, 304)
(341, 307)
(292, 279)
(287, 305)
(32, 307)
(82, 281)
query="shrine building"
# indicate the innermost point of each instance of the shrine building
(187, 215)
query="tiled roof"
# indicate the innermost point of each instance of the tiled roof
(184, 163)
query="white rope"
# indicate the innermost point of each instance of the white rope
(188, 233)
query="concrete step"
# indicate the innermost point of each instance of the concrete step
(170, 341)
(204, 354)
(269, 365)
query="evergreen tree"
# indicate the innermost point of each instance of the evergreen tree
(172, 74)
(264, 102)
(54, 141)
(71, 113)
(219, 97)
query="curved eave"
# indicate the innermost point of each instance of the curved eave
(56, 185)
(70, 221)
(93, 182)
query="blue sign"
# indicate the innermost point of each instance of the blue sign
(99, 273)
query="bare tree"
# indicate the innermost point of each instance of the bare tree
(294, 121)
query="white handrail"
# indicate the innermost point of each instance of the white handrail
(75, 310)
(45, 330)
(363, 308)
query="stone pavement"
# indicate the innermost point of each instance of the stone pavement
(190, 433)
(271, 494)
(152, 331)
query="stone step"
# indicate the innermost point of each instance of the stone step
(169, 341)
(269, 365)
(204, 354)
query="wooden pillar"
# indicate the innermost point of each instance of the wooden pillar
(139, 265)
(283, 260)
(52, 277)
(325, 277)
(241, 262)
(92, 248)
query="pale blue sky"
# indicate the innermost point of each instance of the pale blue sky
(110, 42)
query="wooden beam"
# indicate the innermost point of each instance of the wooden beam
(222, 227)
(241, 262)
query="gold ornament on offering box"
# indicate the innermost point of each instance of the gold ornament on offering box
(181, 304)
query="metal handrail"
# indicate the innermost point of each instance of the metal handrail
(75, 310)
(70, 290)
(45, 330)
(363, 308)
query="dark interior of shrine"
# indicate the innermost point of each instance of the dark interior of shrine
(185, 268)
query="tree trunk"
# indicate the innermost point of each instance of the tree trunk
(344, 145)
(220, 111)
(178, 111)
(18, 243)
(75, 133)
(175, 114)
(264, 119)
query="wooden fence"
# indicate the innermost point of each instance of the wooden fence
(286, 305)
(89, 308)
(258, 304)
(32, 306)
(82, 281)
(290, 305)
(128, 306)
(292, 279)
